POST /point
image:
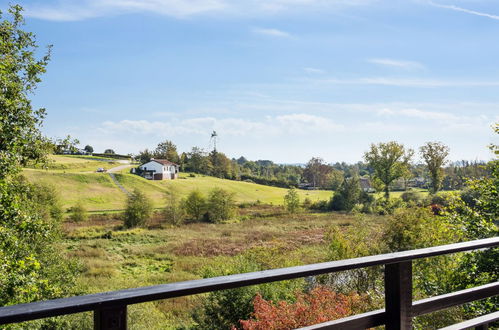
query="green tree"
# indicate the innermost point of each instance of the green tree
(195, 205)
(221, 205)
(78, 213)
(389, 161)
(347, 196)
(167, 150)
(89, 149)
(138, 209)
(109, 151)
(292, 201)
(174, 213)
(31, 267)
(434, 154)
(317, 172)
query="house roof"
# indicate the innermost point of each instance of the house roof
(163, 162)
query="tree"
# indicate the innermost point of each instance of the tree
(195, 205)
(109, 151)
(78, 213)
(31, 267)
(316, 172)
(174, 212)
(89, 149)
(167, 150)
(389, 161)
(347, 196)
(292, 201)
(144, 156)
(68, 144)
(221, 205)
(434, 154)
(138, 209)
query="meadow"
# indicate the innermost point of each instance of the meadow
(117, 258)
(75, 180)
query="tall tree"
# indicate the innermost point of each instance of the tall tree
(434, 154)
(389, 161)
(167, 150)
(317, 171)
(31, 268)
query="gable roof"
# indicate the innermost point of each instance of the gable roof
(163, 162)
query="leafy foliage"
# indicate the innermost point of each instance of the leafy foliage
(221, 205)
(389, 162)
(347, 196)
(318, 306)
(174, 212)
(78, 213)
(434, 154)
(292, 201)
(138, 209)
(195, 205)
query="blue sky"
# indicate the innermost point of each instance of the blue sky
(284, 80)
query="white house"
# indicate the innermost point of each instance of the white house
(159, 169)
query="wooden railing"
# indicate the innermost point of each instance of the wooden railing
(110, 308)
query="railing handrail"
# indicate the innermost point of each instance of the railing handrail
(92, 302)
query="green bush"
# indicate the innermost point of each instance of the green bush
(78, 213)
(223, 309)
(347, 196)
(292, 201)
(412, 197)
(194, 205)
(138, 209)
(221, 206)
(383, 206)
(174, 211)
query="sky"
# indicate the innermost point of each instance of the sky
(285, 80)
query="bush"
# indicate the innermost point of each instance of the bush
(347, 196)
(174, 211)
(194, 205)
(223, 309)
(78, 213)
(221, 206)
(320, 205)
(292, 201)
(307, 203)
(412, 197)
(138, 209)
(318, 306)
(384, 206)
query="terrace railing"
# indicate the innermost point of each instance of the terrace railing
(110, 308)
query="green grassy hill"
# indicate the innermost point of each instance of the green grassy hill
(75, 180)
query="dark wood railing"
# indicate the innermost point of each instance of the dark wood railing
(110, 308)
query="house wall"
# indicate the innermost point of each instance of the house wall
(162, 172)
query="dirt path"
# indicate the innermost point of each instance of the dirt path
(116, 182)
(119, 168)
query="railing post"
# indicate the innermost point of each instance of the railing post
(398, 295)
(111, 318)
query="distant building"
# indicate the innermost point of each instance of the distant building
(365, 185)
(159, 169)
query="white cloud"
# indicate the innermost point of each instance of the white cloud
(268, 126)
(272, 32)
(464, 10)
(408, 65)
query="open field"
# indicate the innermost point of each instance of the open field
(115, 258)
(75, 180)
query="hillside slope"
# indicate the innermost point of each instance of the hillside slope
(77, 182)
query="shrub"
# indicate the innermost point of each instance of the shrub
(347, 196)
(411, 197)
(221, 205)
(194, 205)
(318, 306)
(320, 205)
(307, 203)
(138, 209)
(174, 212)
(385, 206)
(78, 213)
(292, 201)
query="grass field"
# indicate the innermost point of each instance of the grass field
(75, 180)
(115, 258)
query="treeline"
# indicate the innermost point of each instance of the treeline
(317, 174)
